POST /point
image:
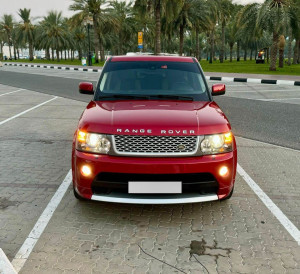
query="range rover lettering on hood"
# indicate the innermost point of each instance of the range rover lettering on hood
(162, 131)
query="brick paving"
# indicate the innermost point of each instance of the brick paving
(236, 236)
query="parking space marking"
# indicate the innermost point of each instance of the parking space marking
(288, 225)
(27, 247)
(5, 265)
(11, 92)
(30, 109)
(279, 99)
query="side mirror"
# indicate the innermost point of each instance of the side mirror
(218, 89)
(86, 88)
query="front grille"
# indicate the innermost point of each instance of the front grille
(155, 145)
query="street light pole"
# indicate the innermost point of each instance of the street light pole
(88, 22)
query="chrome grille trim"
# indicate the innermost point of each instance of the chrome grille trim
(155, 146)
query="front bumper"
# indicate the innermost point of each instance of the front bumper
(209, 164)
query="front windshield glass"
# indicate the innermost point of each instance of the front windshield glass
(152, 80)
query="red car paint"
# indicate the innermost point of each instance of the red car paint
(154, 118)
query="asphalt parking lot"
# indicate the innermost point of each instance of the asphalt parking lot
(250, 233)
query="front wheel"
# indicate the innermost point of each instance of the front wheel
(229, 196)
(77, 196)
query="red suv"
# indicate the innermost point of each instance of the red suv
(153, 135)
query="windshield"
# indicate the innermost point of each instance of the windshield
(151, 80)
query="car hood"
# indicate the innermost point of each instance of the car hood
(155, 117)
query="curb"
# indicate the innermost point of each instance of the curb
(253, 80)
(53, 67)
(5, 265)
(212, 78)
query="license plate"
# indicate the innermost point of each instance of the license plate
(154, 187)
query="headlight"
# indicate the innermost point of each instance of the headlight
(217, 143)
(92, 142)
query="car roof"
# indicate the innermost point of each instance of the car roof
(154, 58)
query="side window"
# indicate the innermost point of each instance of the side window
(103, 82)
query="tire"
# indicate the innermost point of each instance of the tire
(77, 196)
(229, 196)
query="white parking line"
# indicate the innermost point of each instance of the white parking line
(27, 247)
(288, 225)
(5, 265)
(11, 92)
(23, 112)
(279, 99)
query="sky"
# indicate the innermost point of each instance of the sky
(39, 8)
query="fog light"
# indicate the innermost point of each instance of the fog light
(223, 171)
(86, 171)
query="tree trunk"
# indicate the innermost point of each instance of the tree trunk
(197, 44)
(96, 35)
(274, 50)
(298, 59)
(268, 55)
(57, 54)
(9, 47)
(181, 30)
(290, 51)
(120, 44)
(251, 53)
(15, 52)
(238, 51)
(295, 57)
(281, 58)
(157, 28)
(245, 54)
(52, 51)
(102, 56)
(30, 51)
(231, 49)
(1, 51)
(79, 53)
(212, 43)
(47, 54)
(281, 45)
(223, 44)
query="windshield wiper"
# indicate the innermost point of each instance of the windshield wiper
(176, 97)
(124, 96)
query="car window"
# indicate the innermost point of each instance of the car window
(152, 78)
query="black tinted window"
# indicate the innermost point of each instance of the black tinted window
(152, 78)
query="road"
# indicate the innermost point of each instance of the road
(268, 113)
(256, 231)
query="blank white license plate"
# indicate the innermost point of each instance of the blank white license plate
(154, 187)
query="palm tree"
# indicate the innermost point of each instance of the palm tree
(192, 14)
(52, 33)
(159, 8)
(122, 12)
(90, 9)
(225, 8)
(211, 28)
(25, 30)
(7, 25)
(274, 16)
(232, 35)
